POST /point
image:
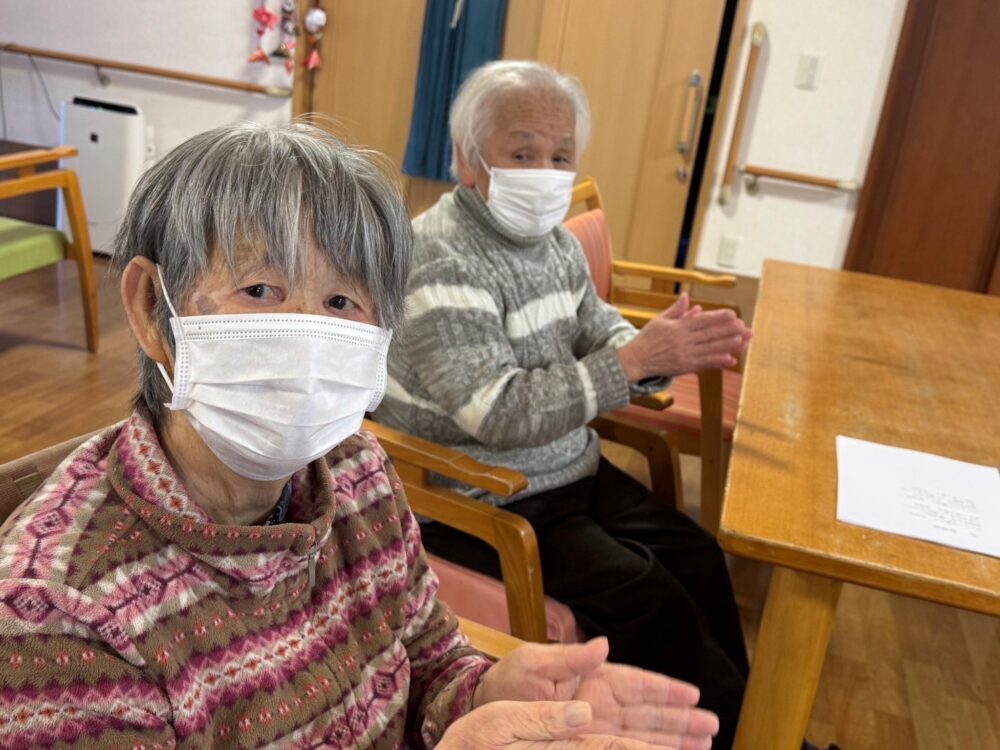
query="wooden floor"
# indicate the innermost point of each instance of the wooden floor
(900, 674)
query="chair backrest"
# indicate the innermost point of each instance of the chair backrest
(22, 476)
(591, 228)
(638, 306)
(415, 460)
(26, 181)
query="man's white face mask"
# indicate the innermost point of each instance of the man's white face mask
(270, 393)
(529, 202)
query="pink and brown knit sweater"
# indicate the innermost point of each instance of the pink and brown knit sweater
(129, 620)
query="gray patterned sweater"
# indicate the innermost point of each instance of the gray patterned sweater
(506, 351)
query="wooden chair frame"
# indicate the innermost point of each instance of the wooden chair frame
(27, 180)
(21, 477)
(509, 534)
(639, 306)
(415, 459)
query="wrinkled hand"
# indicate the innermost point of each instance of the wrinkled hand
(684, 339)
(540, 725)
(626, 701)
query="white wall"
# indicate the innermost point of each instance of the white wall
(212, 38)
(828, 131)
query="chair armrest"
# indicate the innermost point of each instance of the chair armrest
(491, 642)
(657, 401)
(677, 275)
(447, 461)
(509, 534)
(22, 159)
(651, 442)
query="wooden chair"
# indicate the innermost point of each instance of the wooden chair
(25, 247)
(516, 606)
(704, 405)
(21, 477)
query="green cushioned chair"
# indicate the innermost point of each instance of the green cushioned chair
(25, 247)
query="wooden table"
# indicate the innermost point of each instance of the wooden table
(893, 362)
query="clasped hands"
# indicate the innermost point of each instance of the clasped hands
(556, 697)
(684, 339)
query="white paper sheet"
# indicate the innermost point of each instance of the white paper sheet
(919, 495)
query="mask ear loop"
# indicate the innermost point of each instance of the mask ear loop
(178, 330)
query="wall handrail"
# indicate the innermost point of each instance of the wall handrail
(280, 92)
(755, 172)
(757, 36)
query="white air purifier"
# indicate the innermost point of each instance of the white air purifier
(111, 139)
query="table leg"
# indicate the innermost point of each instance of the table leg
(791, 646)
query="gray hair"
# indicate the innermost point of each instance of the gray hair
(249, 187)
(473, 113)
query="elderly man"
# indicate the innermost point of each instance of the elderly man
(232, 566)
(508, 353)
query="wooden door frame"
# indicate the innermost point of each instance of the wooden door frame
(713, 160)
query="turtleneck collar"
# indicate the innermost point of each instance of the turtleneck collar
(258, 556)
(470, 200)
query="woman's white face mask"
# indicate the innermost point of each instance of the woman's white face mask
(529, 202)
(271, 392)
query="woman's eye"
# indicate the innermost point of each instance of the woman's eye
(260, 291)
(340, 302)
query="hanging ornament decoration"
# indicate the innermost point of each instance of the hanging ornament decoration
(315, 23)
(289, 30)
(265, 20)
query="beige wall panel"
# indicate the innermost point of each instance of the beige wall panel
(690, 39)
(614, 48)
(522, 27)
(371, 51)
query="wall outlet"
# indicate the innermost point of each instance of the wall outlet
(807, 71)
(727, 250)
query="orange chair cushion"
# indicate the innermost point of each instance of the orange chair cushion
(482, 599)
(685, 413)
(591, 229)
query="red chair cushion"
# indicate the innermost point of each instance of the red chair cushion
(482, 599)
(591, 229)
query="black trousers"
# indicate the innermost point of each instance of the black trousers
(644, 575)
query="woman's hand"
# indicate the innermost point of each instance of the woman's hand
(538, 725)
(626, 701)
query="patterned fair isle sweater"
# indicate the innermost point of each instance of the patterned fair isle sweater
(507, 351)
(129, 620)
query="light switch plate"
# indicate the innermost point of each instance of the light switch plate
(807, 71)
(727, 250)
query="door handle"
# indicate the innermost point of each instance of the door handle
(691, 113)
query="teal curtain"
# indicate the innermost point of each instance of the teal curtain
(458, 36)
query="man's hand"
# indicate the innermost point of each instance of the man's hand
(540, 725)
(684, 339)
(626, 702)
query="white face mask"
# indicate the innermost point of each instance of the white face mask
(270, 393)
(529, 202)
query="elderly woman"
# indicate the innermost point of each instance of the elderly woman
(508, 353)
(234, 566)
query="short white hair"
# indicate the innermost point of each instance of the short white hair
(474, 112)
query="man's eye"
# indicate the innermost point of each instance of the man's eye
(340, 302)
